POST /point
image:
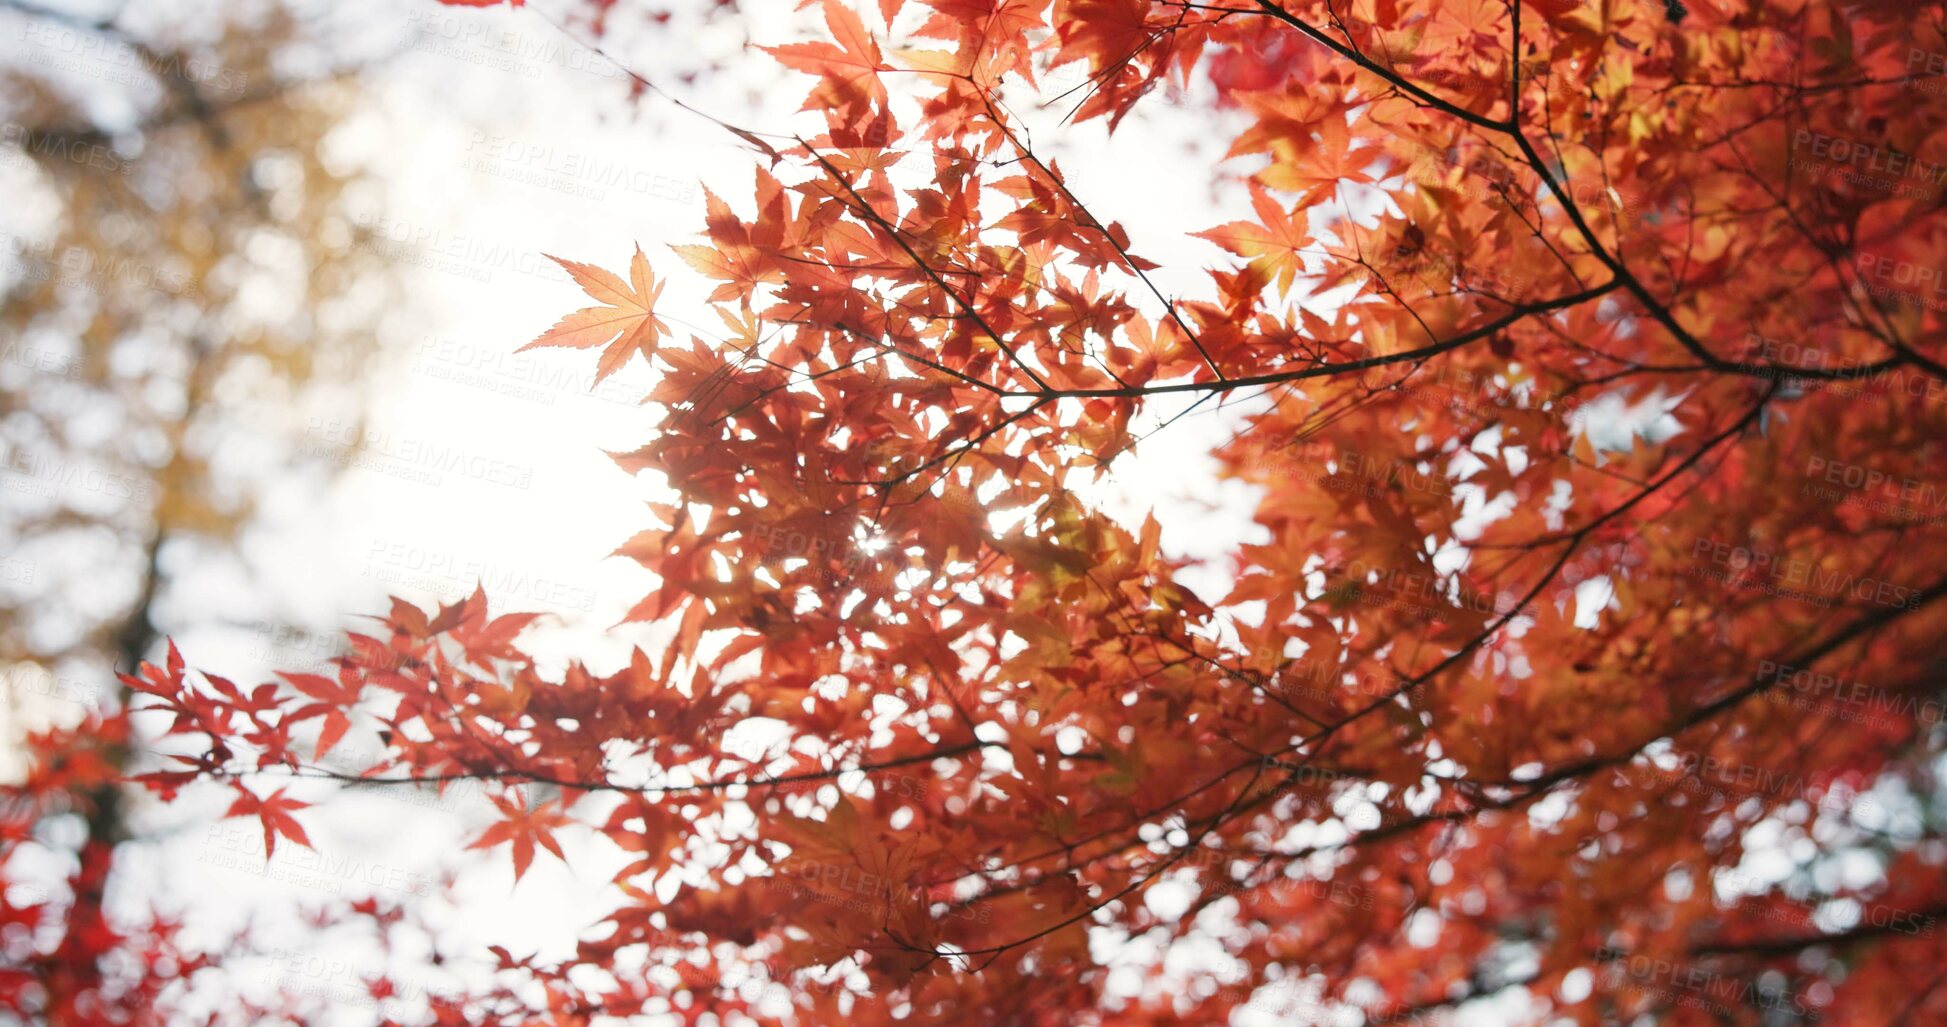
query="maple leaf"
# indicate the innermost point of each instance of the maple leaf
(275, 812)
(335, 698)
(849, 71)
(991, 714)
(626, 323)
(523, 828)
(1275, 243)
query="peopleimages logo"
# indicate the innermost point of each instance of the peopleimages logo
(1387, 586)
(24, 679)
(38, 261)
(339, 981)
(418, 459)
(854, 887)
(1919, 284)
(1866, 157)
(467, 256)
(1712, 990)
(1787, 357)
(1843, 482)
(498, 369)
(1777, 574)
(1858, 476)
(1340, 469)
(240, 847)
(1821, 687)
(99, 47)
(569, 170)
(46, 474)
(1926, 71)
(41, 360)
(401, 563)
(472, 41)
(58, 147)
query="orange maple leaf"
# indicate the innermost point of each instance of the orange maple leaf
(1275, 245)
(627, 323)
(850, 69)
(524, 828)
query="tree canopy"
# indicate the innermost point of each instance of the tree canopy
(1584, 359)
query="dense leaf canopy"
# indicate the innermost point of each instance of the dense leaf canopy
(1585, 359)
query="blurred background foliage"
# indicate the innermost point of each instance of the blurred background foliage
(180, 273)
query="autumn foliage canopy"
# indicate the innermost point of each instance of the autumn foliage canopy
(1585, 360)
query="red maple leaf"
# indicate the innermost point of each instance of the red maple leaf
(275, 812)
(524, 828)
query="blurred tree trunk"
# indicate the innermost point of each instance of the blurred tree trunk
(139, 300)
